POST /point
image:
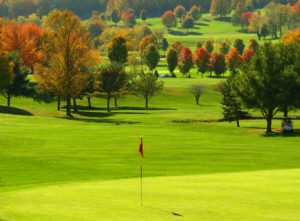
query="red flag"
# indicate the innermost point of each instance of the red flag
(141, 149)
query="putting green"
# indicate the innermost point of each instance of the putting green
(262, 195)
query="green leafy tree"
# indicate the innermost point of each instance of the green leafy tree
(172, 60)
(118, 51)
(209, 46)
(224, 46)
(143, 15)
(147, 86)
(152, 57)
(115, 16)
(188, 23)
(196, 90)
(164, 45)
(239, 45)
(6, 73)
(220, 7)
(260, 83)
(111, 81)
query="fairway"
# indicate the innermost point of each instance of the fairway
(54, 168)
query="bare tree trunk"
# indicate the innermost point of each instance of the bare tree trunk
(237, 122)
(75, 105)
(89, 102)
(116, 101)
(285, 112)
(58, 103)
(68, 110)
(108, 102)
(147, 103)
(8, 99)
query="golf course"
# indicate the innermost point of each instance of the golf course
(75, 154)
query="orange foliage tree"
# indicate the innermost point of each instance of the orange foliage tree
(70, 57)
(26, 40)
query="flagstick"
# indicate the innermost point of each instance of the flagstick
(142, 182)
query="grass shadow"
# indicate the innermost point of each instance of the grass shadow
(202, 24)
(225, 19)
(183, 33)
(14, 111)
(103, 121)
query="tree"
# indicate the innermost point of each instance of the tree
(19, 86)
(115, 16)
(253, 45)
(233, 61)
(202, 60)
(256, 23)
(147, 86)
(172, 60)
(164, 45)
(220, 7)
(236, 16)
(185, 60)
(152, 57)
(296, 7)
(169, 20)
(96, 27)
(195, 13)
(247, 55)
(196, 90)
(232, 106)
(260, 84)
(180, 12)
(144, 43)
(245, 19)
(177, 45)
(112, 80)
(264, 31)
(70, 57)
(6, 73)
(188, 23)
(143, 15)
(224, 46)
(129, 18)
(239, 45)
(209, 46)
(118, 51)
(218, 64)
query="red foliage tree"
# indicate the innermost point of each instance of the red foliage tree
(248, 54)
(245, 18)
(169, 19)
(180, 12)
(185, 60)
(296, 7)
(218, 64)
(202, 60)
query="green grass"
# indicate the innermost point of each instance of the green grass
(54, 168)
(87, 168)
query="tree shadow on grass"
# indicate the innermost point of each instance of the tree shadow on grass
(103, 114)
(103, 120)
(202, 24)
(14, 111)
(280, 134)
(225, 19)
(183, 33)
(144, 109)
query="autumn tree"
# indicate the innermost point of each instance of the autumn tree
(253, 45)
(195, 13)
(202, 60)
(111, 81)
(144, 43)
(95, 27)
(187, 23)
(128, 18)
(220, 7)
(180, 12)
(169, 20)
(247, 55)
(177, 45)
(147, 86)
(69, 57)
(218, 64)
(172, 60)
(234, 61)
(185, 61)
